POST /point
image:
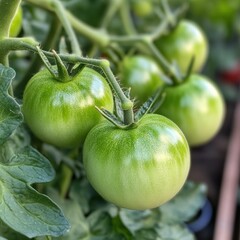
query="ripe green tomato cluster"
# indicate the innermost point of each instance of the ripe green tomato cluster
(137, 168)
(182, 43)
(142, 75)
(62, 113)
(16, 24)
(196, 106)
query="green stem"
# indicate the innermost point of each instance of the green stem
(61, 13)
(66, 179)
(95, 35)
(111, 10)
(30, 44)
(109, 14)
(13, 44)
(168, 13)
(127, 104)
(36, 63)
(8, 10)
(126, 18)
(166, 66)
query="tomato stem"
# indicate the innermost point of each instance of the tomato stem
(168, 13)
(126, 18)
(170, 69)
(66, 179)
(8, 10)
(95, 35)
(127, 104)
(36, 63)
(61, 14)
(113, 6)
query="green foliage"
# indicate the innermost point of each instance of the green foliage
(92, 218)
(10, 113)
(22, 207)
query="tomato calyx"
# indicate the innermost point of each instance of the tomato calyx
(60, 71)
(150, 106)
(182, 78)
(189, 70)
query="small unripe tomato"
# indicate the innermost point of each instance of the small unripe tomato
(142, 75)
(185, 41)
(196, 106)
(62, 113)
(142, 8)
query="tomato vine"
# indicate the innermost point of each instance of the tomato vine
(131, 154)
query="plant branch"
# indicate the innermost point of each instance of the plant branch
(126, 18)
(36, 63)
(8, 10)
(95, 35)
(61, 14)
(169, 68)
(113, 6)
(30, 44)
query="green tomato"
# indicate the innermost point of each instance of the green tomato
(142, 75)
(185, 41)
(138, 168)
(196, 106)
(142, 8)
(16, 24)
(62, 113)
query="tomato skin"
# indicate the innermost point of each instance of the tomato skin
(142, 75)
(16, 24)
(142, 8)
(62, 113)
(138, 168)
(185, 41)
(197, 107)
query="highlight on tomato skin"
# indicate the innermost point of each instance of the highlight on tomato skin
(139, 168)
(197, 107)
(184, 42)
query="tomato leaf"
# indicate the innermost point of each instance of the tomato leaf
(167, 221)
(173, 231)
(135, 220)
(10, 113)
(185, 205)
(22, 208)
(73, 211)
(8, 233)
(82, 192)
(103, 225)
(99, 224)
